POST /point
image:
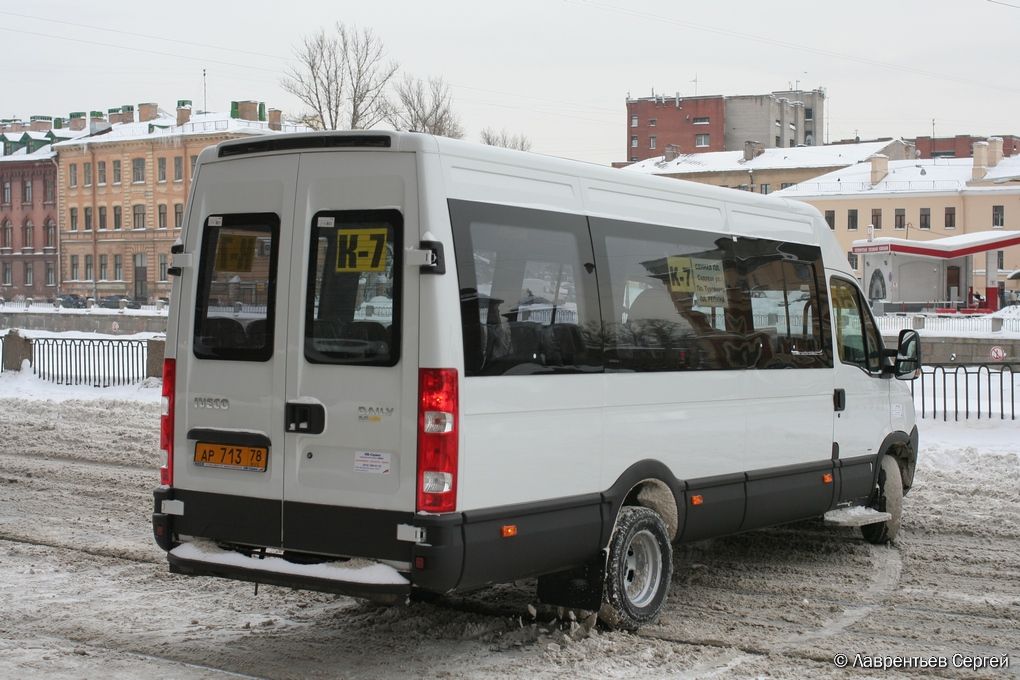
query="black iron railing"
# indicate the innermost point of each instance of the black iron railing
(968, 391)
(83, 361)
(1, 353)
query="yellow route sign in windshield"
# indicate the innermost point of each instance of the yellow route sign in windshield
(361, 250)
(235, 253)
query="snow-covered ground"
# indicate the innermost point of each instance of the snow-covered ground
(86, 593)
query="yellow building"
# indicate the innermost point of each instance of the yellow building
(122, 190)
(920, 200)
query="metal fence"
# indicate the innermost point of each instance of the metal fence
(968, 391)
(892, 324)
(83, 361)
(1, 353)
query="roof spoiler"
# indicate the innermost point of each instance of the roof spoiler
(298, 142)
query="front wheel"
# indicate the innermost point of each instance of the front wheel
(638, 571)
(890, 499)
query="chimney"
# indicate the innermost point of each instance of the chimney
(113, 115)
(994, 151)
(672, 153)
(879, 168)
(752, 150)
(77, 120)
(147, 111)
(980, 160)
(248, 110)
(127, 113)
(275, 119)
(41, 123)
(96, 117)
(183, 111)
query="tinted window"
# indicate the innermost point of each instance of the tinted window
(236, 288)
(353, 312)
(527, 289)
(857, 339)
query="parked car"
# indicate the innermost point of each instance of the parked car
(113, 302)
(71, 300)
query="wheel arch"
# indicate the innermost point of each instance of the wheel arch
(648, 483)
(902, 447)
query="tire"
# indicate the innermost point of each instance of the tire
(890, 499)
(638, 571)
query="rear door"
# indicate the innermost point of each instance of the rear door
(234, 333)
(352, 361)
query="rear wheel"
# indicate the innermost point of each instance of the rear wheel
(638, 571)
(890, 499)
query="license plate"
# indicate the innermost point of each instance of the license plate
(230, 456)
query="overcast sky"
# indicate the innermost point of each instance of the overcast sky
(558, 71)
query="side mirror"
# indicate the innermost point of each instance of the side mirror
(908, 356)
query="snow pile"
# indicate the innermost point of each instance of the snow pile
(24, 384)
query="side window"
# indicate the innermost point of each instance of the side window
(857, 339)
(528, 295)
(667, 298)
(235, 305)
(789, 308)
(353, 311)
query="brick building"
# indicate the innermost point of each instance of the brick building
(960, 146)
(28, 226)
(123, 189)
(785, 119)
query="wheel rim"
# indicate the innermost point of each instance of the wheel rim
(644, 569)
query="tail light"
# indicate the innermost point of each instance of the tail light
(437, 440)
(166, 423)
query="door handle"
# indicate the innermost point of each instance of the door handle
(305, 418)
(839, 399)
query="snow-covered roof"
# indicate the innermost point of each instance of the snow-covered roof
(22, 154)
(830, 156)
(166, 125)
(913, 176)
(948, 247)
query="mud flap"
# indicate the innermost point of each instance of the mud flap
(580, 588)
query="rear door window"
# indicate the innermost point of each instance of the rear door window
(353, 312)
(235, 305)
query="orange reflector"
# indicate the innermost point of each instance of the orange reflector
(697, 500)
(827, 478)
(509, 530)
(419, 562)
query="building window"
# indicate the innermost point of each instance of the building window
(651, 142)
(27, 235)
(808, 114)
(88, 267)
(700, 120)
(764, 188)
(118, 219)
(102, 217)
(88, 219)
(51, 274)
(49, 190)
(116, 172)
(876, 218)
(101, 170)
(161, 169)
(778, 124)
(162, 267)
(162, 215)
(6, 199)
(74, 219)
(26, 191)
(178, 168)
(102, 267)
(950, 218)
(51, 233)
(786, 185)
(1000, 259)
(652, 122)
(925, 218)
(851, 219)
(998, 216)
(7, 274)
(633, 141)
(830, 218)
(87, 168)
(793, 142)
(138, 217)
(6, 235)
(29, 274)
(72, 175)
(851, 258)
(900, 219)
(178, 215)
(137, 169)
(633, 121)
(194, 160)
(74, 267)
(701, 140)
(118, 268)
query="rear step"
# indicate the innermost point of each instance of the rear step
(857, 516)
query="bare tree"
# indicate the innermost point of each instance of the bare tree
(505, 140)
(425, 106)
(341, 77)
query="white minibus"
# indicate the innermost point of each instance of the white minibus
(401, 364)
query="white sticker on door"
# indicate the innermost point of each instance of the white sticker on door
(372, 462)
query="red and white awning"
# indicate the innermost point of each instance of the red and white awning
(943, 248)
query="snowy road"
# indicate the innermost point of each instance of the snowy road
(84, 592)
